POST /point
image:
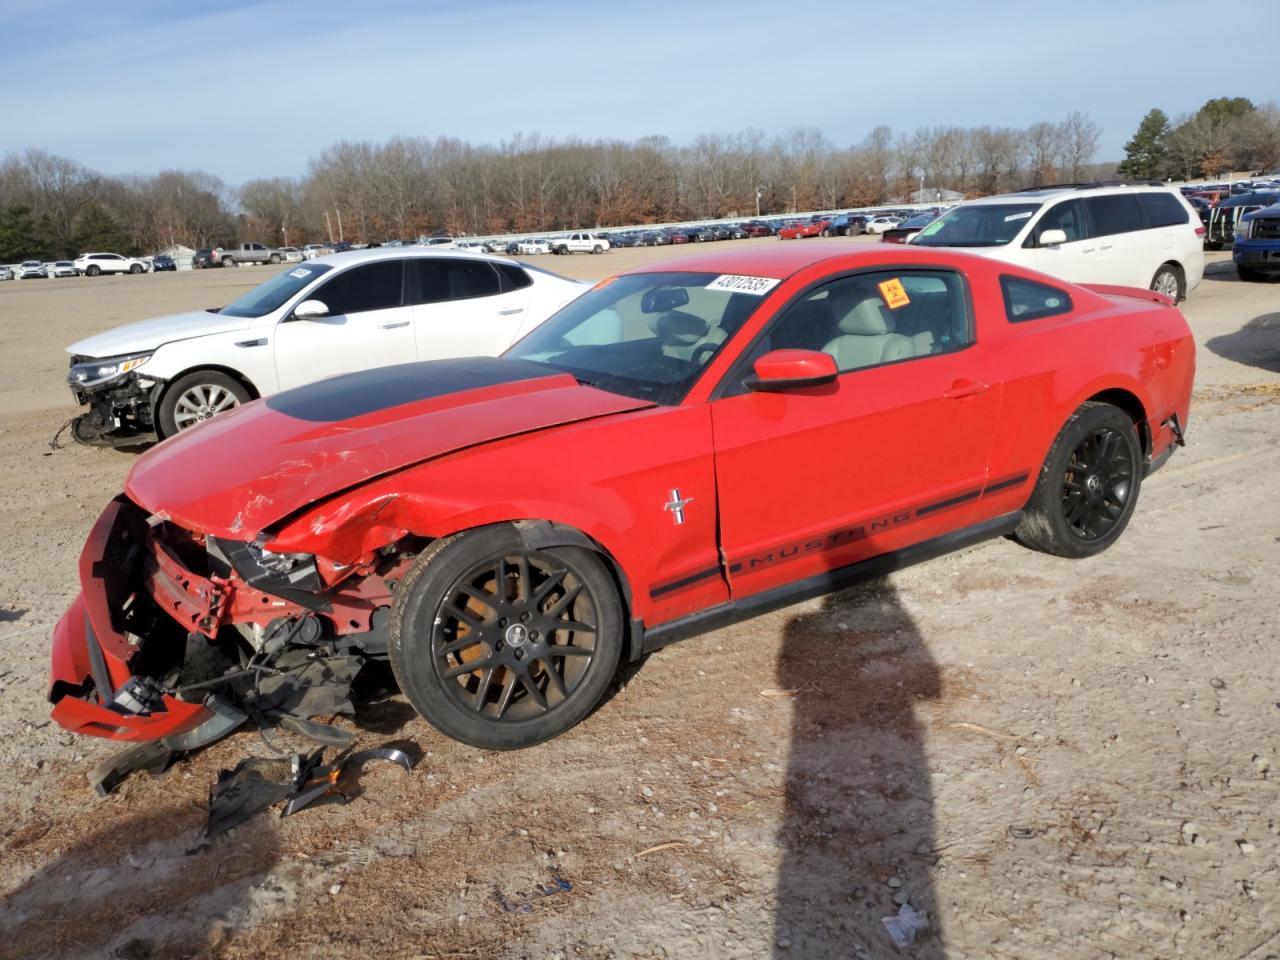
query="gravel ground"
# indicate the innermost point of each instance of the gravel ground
(1051, 759)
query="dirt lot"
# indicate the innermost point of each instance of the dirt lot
(1053, 759)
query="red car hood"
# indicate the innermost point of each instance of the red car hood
(244, 470)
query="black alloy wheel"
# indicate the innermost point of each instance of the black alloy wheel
(503, 646)
(1088, 486)
(1097, 483)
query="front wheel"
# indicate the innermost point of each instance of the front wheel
(229, 262)
(1088, 485)
(1168, 280)
(135, 268)
(275, 258)
(1247, 273)
(500, 645)
(195, 398)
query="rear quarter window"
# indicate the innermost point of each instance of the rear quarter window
(1026, 300)
(1114, 213)
(1163, 209)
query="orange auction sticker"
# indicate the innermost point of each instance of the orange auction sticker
(894, 295)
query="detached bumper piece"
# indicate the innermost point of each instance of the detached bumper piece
(160, 648)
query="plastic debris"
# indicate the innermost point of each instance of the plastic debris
(905, 928)
(524, 904)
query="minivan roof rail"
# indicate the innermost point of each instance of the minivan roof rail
(1092, 184)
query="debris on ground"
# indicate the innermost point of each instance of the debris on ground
(259, 783)
(523, 903)
(906, 927)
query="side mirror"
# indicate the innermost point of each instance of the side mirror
(1052, 238)
(781, 370)
(664, 300)
(310, 310)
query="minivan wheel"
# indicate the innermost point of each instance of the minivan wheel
(1088, 485)
(501, 645)
(1168, 280)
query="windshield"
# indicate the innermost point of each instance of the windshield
(980, 225)
(645, 335)
(271, 295)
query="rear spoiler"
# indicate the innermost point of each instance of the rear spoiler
(1133, 293)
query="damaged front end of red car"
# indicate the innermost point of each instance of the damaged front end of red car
(180, 637)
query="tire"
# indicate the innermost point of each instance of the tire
(275, 258)
(181, 408)
(135, 268)
(1213, 244)
(92, 270)
(1169, 281)
(1248, 273)
(519, 704)
(1082, 517)
(826, 233)
(230, 262)
(596, 249)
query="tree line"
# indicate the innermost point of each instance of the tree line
(52, 206)
(1226, 134)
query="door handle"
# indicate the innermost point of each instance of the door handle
(1105, 246)
(507, 313)
(394, 325)
(966, 388)
(1086, 249)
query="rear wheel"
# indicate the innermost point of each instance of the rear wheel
(275, 258)
(597, 249)
(1168, 280)
(92, 270)
(502, 646)
(1088, 485)
(195, 398)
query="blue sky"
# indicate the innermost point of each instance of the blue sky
(247, 89)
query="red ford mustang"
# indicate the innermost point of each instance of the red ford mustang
(683, 446)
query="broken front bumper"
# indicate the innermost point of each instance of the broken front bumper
(92, 651)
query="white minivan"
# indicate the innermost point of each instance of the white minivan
(1132, 236)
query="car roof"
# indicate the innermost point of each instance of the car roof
(350, 257)
(1055, 193)
(792, 258)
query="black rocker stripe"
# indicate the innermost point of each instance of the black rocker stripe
(949, 502)
(1005, 484)
(683, 582)
(794, 549)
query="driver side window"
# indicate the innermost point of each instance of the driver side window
(371, 286)
(870, 319)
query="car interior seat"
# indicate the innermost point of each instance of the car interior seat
(868, 336)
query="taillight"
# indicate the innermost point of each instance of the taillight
(1200, 231)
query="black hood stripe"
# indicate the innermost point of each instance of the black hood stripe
(356, 394)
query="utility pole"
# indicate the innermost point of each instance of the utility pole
(338, 215)
(328, 227)
(759, 191)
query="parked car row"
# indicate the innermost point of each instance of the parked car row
(85, 265)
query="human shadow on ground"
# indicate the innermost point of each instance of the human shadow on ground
(132, 889)
(857, 831)
(10, 616)
(1256, 344)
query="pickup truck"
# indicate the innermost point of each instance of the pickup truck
(580, 243)
(247, 253)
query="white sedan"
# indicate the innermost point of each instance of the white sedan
(331, 315)
(529, 247)
(92, 264)
(880, 224)
(62, 268)
(32, 270)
